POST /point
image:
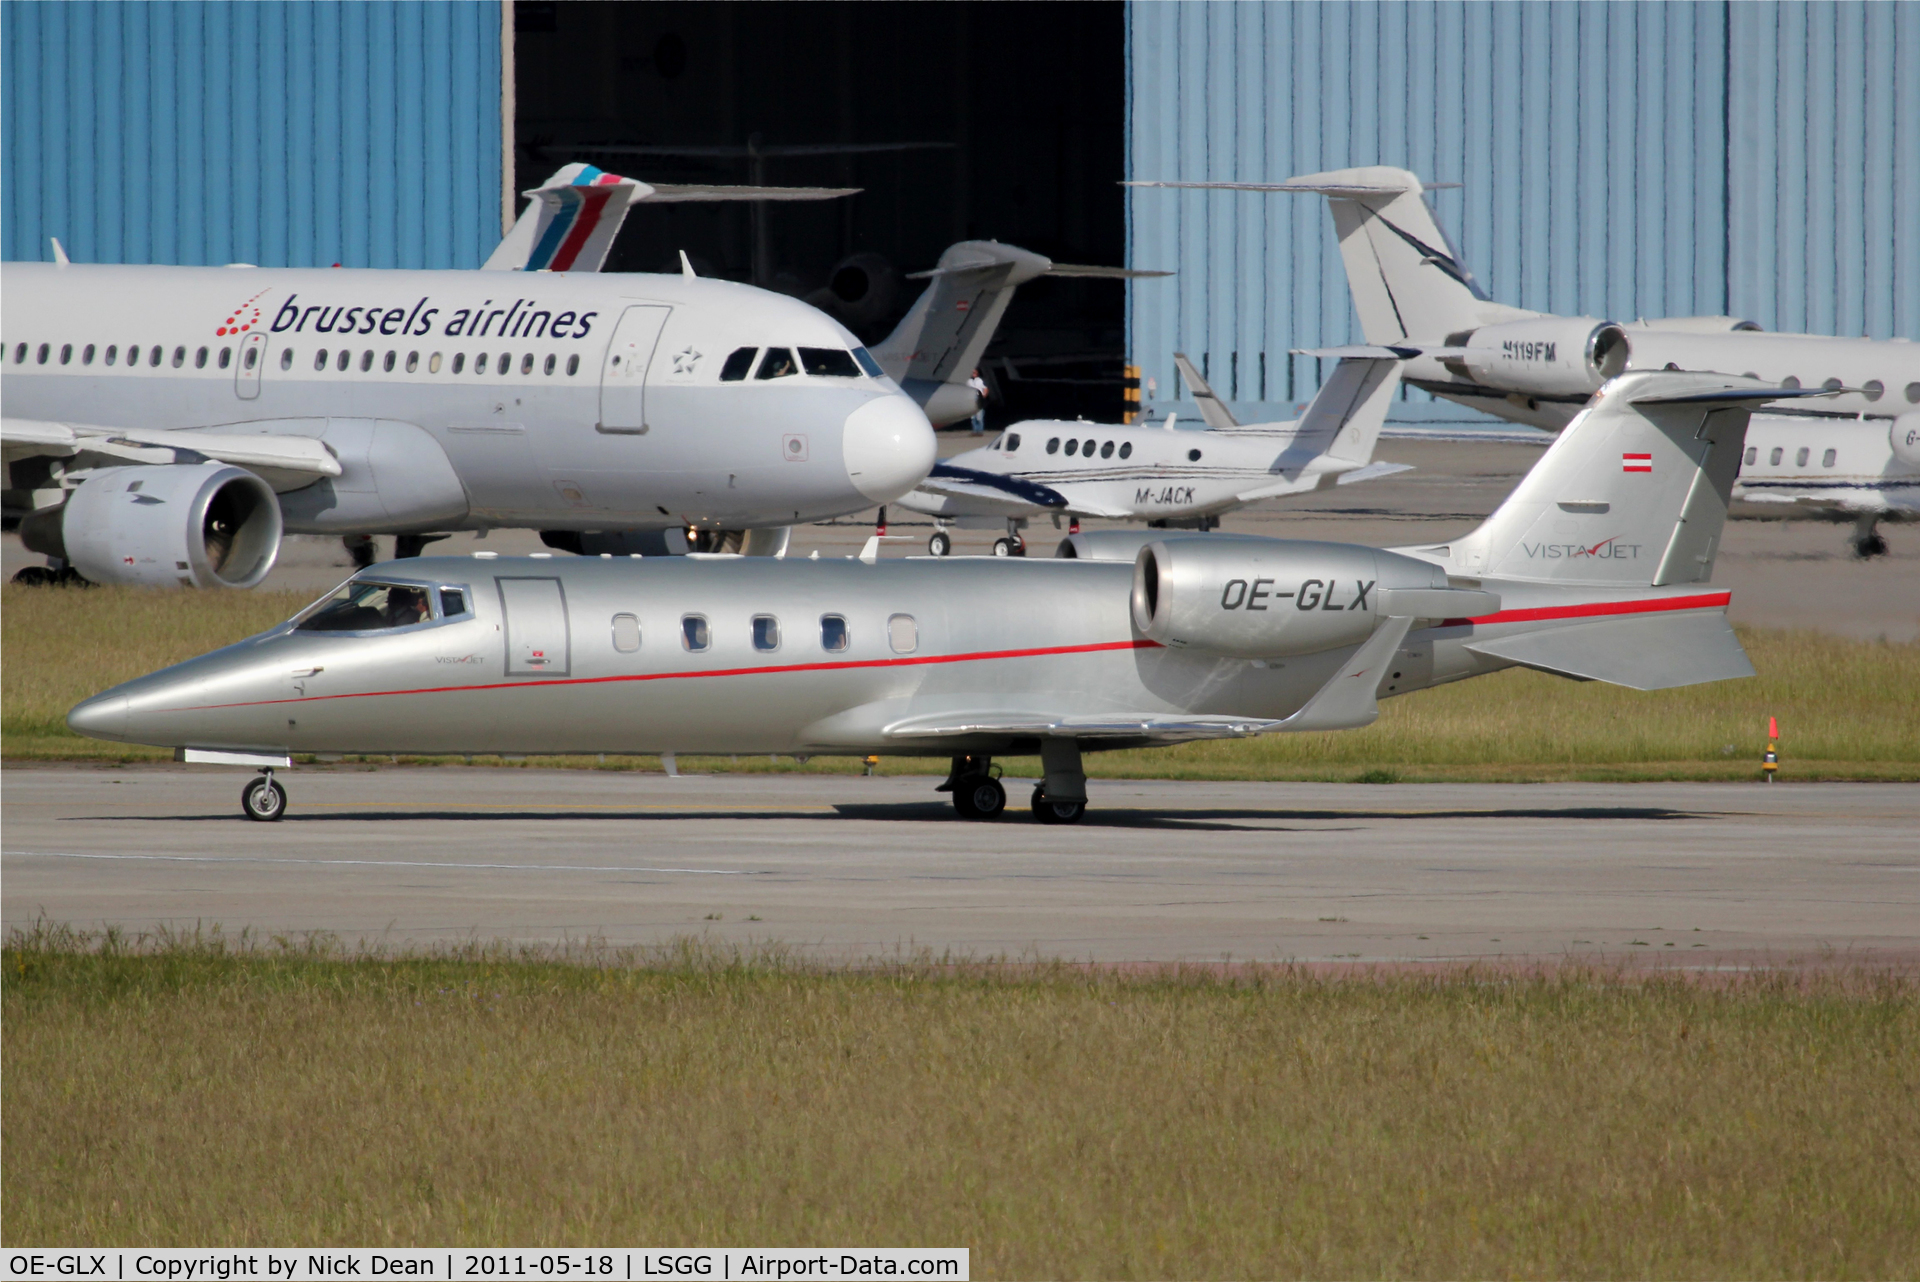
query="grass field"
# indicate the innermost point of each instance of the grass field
(1061, 1123)
(1847, 709)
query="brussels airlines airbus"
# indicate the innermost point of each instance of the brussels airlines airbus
(165, 425)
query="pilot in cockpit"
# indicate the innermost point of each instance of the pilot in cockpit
(407, 606)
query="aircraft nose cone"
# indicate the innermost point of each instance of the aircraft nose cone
(888, 446)
(102, 717)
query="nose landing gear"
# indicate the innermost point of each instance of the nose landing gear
(264, 800)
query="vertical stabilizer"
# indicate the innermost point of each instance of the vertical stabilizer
(1212, 408)
(569, 222)
(1634, 492)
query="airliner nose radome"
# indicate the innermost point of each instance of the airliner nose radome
(888, 447)
(102, 717)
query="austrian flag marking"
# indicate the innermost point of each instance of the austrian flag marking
(1636, 462)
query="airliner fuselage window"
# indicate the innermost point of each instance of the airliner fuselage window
(365, 606)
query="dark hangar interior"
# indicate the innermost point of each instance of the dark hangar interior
(1016, 113)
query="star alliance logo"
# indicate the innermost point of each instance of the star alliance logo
(685, 359)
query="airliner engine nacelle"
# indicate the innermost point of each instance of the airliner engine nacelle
(1904, 436)
(1547, 355)
(208, 525)
(1255, 598)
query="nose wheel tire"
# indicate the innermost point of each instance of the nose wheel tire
(940, 544)
(1056, 812)
(980, 797)
(264, 800)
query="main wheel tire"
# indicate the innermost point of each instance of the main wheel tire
(36, 576)
(1003, 547)
(264, 800)
(940, 544)
(1019, 547)
(980, 797)
(1871, 546)
(1056, 812)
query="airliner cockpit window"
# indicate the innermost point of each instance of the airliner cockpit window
(735, 370)
(777, 363)
(867, 363)
(829, 362)
(365, 606)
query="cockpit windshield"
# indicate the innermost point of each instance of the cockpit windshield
(362, 605)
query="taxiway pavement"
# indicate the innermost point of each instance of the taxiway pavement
(851, 867)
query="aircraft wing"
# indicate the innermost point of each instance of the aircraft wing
(969, 483)
(1142, 725)
(284, 462)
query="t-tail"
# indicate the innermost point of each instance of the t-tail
(1599, 553)
(938, 344)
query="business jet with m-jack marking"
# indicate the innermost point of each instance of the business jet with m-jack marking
(166, 425)
(1594, 568)
(1160, 475)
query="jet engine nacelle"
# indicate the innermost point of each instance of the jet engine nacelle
(1904, 436)
(1547, 355)
(207, 525)
(1255, 598)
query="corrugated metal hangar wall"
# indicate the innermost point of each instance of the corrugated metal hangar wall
(284, 134)
(1617, 160)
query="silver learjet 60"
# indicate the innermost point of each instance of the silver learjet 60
(1593, 568)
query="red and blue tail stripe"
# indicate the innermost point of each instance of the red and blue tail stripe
(578, 210)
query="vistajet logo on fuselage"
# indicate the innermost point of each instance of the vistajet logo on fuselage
(524, 318)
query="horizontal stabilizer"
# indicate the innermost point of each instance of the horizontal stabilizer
(1398, 352)
(681, 193)
(1372, 472)
(1641, 654)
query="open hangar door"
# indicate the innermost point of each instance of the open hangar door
(1018, 110)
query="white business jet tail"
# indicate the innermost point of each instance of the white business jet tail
(938, 344)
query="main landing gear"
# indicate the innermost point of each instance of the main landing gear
(941, 544)
(263, 799)
(1867, 540)
(1060, 797)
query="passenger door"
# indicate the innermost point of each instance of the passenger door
(535, 612)
(623, 379)
(247, 370)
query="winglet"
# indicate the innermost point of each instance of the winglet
(1351, 699)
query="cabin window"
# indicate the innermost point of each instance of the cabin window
(1774, 456)
(20, 354)
(1913, 393)
(766, 632)
(903, 634)
(345, 359)
(573, 365)
(1833, 385)
(459, 361)
(1800, 457)
(226, 356)
(735, 370)
(200, 359)
(833, 632)
(1752, 452)
(179, 357)
(1193, 456)
(1829, 458)
(1874, 389)
(253, 357)
(286, 358)
(867, 363)
(364, 606)
(1053, 445)
(526, 363)
(694, 634)
(86, 357)
(1126, 449)
(626, 633)
(1086, 447)
(1013, 441)
(386, 366)
(777, 363)
(155, 356)
(413, 361)
(113, 351)
(40, 357)
(319, 359)
(828, 362)
(552, 360)
(1073, 448)
(66, 353)
(1106, 449)
(504, 364)
(453, 602)
(366, 360)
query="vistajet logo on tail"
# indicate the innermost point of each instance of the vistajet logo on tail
(1607, 550)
